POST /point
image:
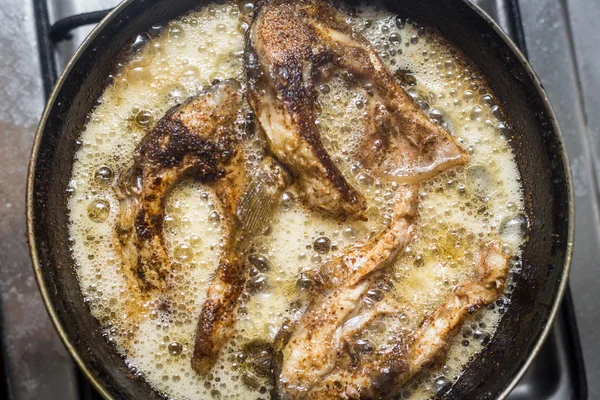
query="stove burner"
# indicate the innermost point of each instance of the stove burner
(557, 373)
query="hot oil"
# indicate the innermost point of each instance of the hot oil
(457, 211)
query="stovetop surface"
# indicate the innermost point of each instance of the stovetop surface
(560, 39)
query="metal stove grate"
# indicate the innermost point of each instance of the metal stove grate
(558, 371)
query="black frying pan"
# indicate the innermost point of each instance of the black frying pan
(538, 144)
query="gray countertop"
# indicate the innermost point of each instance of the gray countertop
(562, 40)
(562, 43)
(36, 362)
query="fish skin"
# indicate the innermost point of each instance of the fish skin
(293, 45)
(254, 212)
(315, 341)
(380, 375)
(195, 139)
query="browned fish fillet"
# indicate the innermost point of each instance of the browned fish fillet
(382, 373)
(313, 342)
(253, 215)
(197, 138)
(289, 47)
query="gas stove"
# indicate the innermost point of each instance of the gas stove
(557, 36)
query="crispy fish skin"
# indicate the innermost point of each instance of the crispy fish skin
(314, 341)
(290, 46)
(196, 139)
(285, 108)
(253, 215)
(382, 374)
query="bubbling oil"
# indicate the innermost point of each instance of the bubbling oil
(457, 210)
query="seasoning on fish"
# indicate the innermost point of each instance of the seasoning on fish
(196, 139)
(313, 366)
(293, 45)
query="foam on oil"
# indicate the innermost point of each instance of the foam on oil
(457, 211)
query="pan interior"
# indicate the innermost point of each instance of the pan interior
(538, 155)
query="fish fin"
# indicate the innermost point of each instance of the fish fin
(258, 205)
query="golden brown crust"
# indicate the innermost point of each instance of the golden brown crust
(293, 44)
(196, 138)
(279, 56)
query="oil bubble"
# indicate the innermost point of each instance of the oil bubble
(482, 336)
(183, 252)
(196, 240)
(304, 282)
(362, 346)
(144, 119)
(262, 263)
(248, 7)
(349, 232)
(287, 200)
(468, 95)
(141, 52)
(374, 295)
(513, 229)
(486, 99)
(139, 75)
(103, 176)
(99, 210)
(476, 113)
(511, 206)
(365, 179)
(120, 85)
(325, 88)
(322, 244)
(436, 115)
(175, 94)
(442, 385)
(214, 217)
(176, 32)
(400, 23)
(175, 348)
(256, 282)
(190, 75)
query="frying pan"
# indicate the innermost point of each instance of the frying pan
(536, 140)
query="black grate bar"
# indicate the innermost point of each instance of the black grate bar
(570, 335)
(46, 47)
(61, 30)
(518, 33)
(575, 354)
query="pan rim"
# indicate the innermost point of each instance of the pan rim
(564, 277)
(31, 236)
(539, 340)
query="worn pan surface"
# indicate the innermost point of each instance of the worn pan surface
(537, 142)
